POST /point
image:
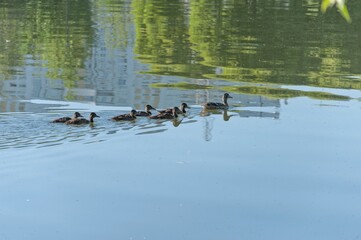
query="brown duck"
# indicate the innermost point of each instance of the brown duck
(78, 121)
(126, 117)
(65, 119)
(218, 105)
(147, 111)
(180, 110)
(166, 115)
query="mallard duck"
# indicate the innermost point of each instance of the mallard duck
(126, 117)
(78, 121)
(147, 111)
(166, 115)
(218, 105)
(180, 110)
(65, 119)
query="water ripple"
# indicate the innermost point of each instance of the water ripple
(22, 130)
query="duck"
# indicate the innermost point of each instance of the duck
(78, 121)
(218, 105)
(183, 107)
(126, 117)
(166, 115)
(147, 111)
(64, 119)
(170, 110)
(180, 110)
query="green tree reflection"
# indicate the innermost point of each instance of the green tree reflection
(55, 34)
(115, 24)
(272, 42)
(162, 38)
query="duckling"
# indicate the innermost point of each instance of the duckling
(147, 111)
(170, 111)
(183, 107)
(78, 121)
(218, 105)
(64, 119)
(166, 115)
(126, 117)
(180, 110)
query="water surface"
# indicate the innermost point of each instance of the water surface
(281, 163)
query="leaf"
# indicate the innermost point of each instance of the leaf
(340, 5)
(326, 4)
(344, 12)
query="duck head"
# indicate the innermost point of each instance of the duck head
(77, 115)
(149, 107)
(93, 115)
(226, 95)
(133, 113)
(183, 107)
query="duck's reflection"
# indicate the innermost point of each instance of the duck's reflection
(176, 122)
(226, 115)
(209, 120)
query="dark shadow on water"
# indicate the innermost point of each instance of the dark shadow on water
(259, 114)
(227, 114)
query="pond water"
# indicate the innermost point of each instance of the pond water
(283, 162)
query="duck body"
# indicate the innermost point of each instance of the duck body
(170, 111)
(215, 105)
(65, 119)
(79, 121)
(126, 117)
(166, 115)
(145, 113)
(218, 105)
(180, 110)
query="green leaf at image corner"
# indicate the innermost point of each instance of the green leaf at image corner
(326, 4)
(341, 5)
(344, 12)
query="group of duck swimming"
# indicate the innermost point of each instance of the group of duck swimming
(169, 113)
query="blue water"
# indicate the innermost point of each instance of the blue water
(295, 176)
(272, 167)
